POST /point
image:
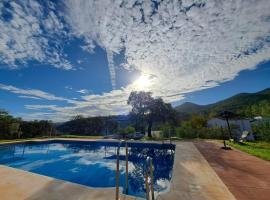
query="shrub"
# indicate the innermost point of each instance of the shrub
(127, 130)
(185, 132)
(167, 131)
(262, 131)
(203, 132)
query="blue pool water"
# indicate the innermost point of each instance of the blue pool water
(92, 163)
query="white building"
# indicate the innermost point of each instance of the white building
(242, 124)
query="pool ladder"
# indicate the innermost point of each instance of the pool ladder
(117, 170)
(148, 174)
(149, 169)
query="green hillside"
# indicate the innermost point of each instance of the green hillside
(235, 103)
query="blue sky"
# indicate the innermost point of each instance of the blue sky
(247, 81)
(58, 60)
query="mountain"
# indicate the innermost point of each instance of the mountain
(233, 103)
(189, 107)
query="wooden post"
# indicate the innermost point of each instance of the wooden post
(126, 168)
(152, 180)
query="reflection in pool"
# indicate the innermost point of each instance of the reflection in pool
(92, 163)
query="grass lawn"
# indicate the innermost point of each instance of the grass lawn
(18, 140)
(80, 136)
(60, 136)
(259, 149)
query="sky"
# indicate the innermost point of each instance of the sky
(59, 59)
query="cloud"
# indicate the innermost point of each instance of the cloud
(29, 97)
(30, 31)
(185, 45)
(33, 93)
(68, 87)
(111, 103)
(83, 91)
(111, 69)
(182, 43)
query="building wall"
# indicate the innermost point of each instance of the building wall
(243, 124)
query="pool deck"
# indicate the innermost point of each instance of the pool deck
(193, 179)
(246, 176)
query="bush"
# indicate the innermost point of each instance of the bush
(127, 130)
(262, 131)
(203, 132)
(167, 131)
(185, 132)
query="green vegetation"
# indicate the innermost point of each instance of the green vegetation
(196, 127)
(81, 136)
(127, 130)
(148, 114)
(80, 125)
(149, 110)
(259, 149)
(245, 104)
(61, 136)
(248, 104)
(262, 130)
(16, 128)
(21, 140)
(261, 108)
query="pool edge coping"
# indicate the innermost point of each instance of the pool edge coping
(176, 170)
(72, 183)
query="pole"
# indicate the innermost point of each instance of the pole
(117, 174)
(146, 185)
(229, 128)
(126, 168)
(170, 135)
(152, 180)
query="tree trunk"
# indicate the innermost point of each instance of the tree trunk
(149, 130)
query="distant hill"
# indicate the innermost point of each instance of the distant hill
(233, 103)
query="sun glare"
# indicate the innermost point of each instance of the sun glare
(143, 82)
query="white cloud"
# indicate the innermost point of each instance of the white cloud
(112, 103)
(185, 45)
(83, 91)
(29, 97)
(33, 93)
(27, 35)
(68, 87)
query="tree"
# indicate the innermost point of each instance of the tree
(9, 126)
(140, 102)
(80, 125)
(147, 109)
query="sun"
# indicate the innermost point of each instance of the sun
(143, 82)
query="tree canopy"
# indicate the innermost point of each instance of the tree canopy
(147, 110)
(12, 128)
(80, 125)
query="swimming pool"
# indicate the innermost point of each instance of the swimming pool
(92, 163)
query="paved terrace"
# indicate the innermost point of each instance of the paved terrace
(193, 179)
(246, 176)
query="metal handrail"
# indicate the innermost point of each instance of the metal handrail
(117, 170)
(126, 168)
(149, 167)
